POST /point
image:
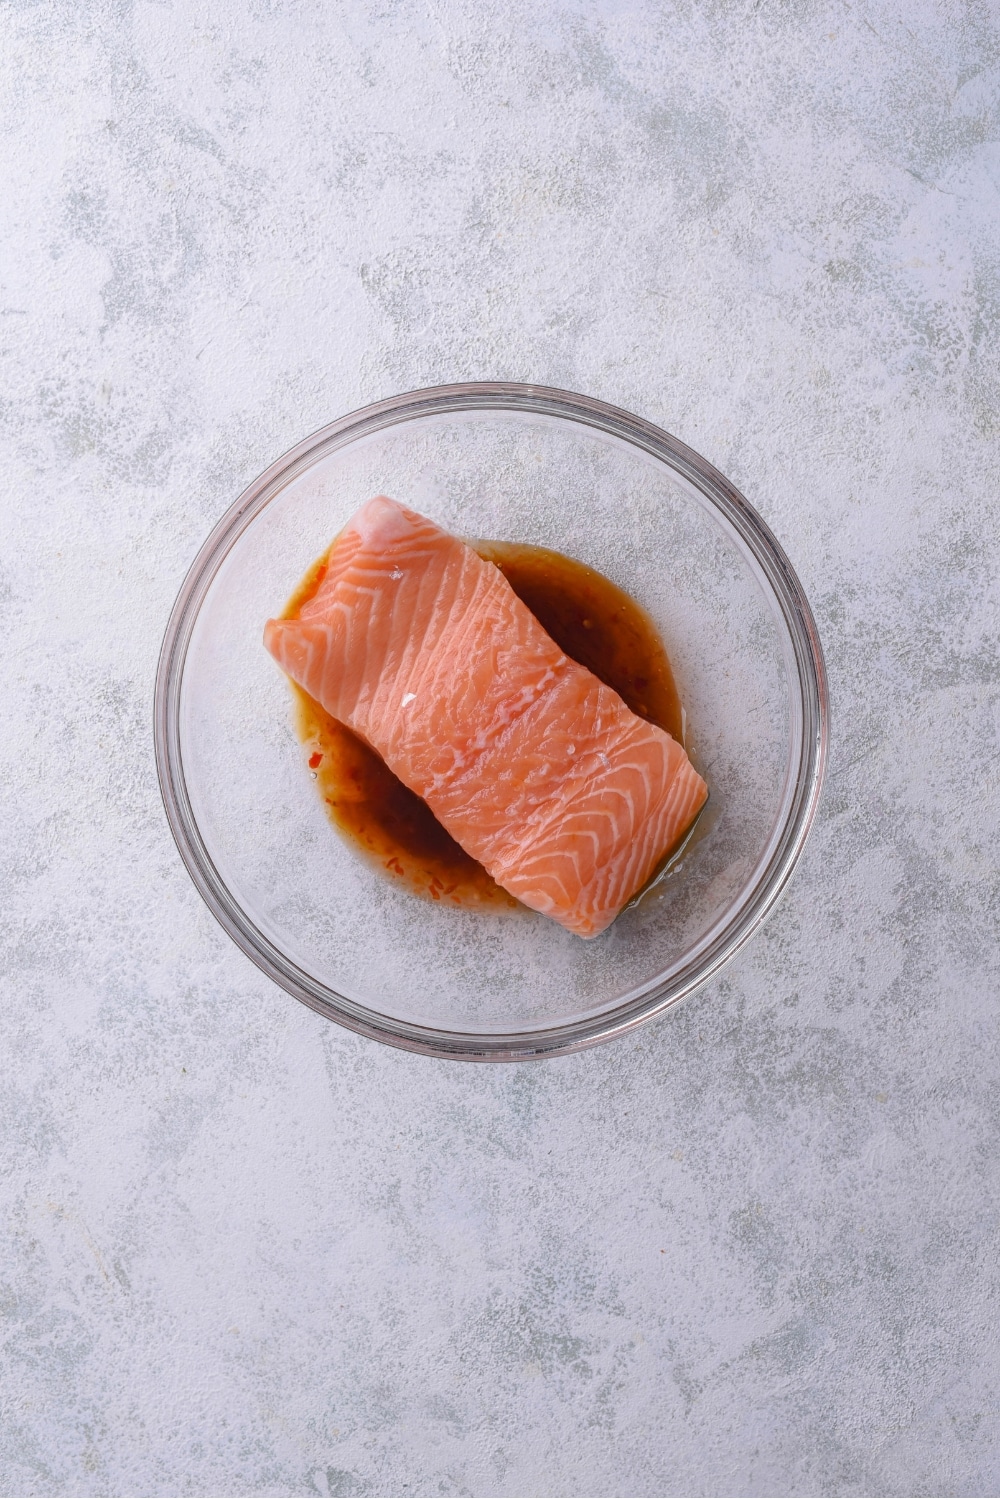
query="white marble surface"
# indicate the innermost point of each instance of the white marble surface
(749, 1249)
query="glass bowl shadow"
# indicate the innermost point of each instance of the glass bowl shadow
(520, 463)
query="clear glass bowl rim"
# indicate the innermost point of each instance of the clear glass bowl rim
(747, 916)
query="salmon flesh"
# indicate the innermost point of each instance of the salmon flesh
(532, 764)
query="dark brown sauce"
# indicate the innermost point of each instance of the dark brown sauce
(589, 617)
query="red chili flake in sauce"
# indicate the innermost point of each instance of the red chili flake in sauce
(315, 759)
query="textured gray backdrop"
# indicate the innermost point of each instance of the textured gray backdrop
(753, 1247)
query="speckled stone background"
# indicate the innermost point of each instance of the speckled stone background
(750, 1249)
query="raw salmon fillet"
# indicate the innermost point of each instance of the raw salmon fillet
(531, 763)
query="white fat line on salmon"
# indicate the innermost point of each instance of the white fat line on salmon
(407, 698)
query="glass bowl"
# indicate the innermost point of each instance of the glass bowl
(528, 464)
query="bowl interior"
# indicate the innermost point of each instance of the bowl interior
(520, 476)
